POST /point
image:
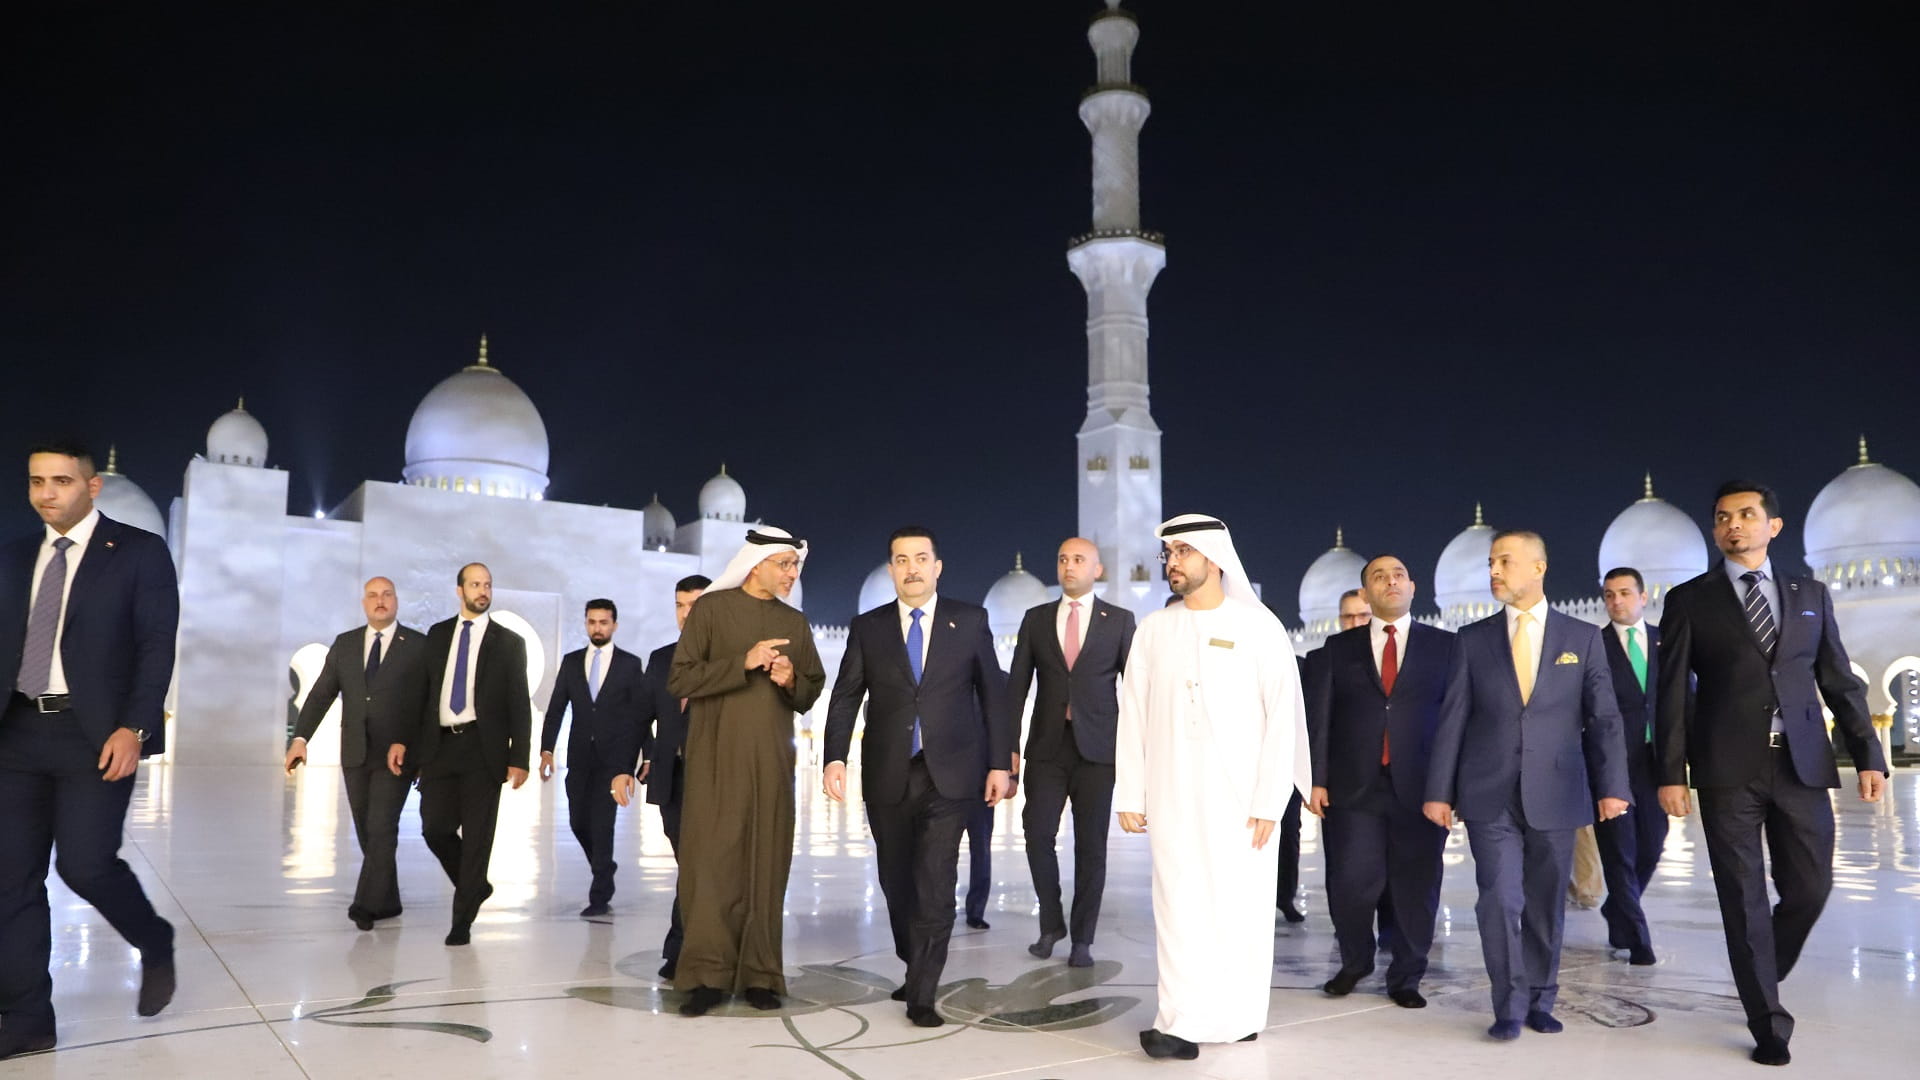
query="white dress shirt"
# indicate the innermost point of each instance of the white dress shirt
(1378, 633)
(1534, 633)
(1620, 631)
(926, 624)
(1060, 619)
(605, 653)
(449, 718)
(386, 642)
(80, 534)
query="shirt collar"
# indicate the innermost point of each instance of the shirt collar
(81, 532)
(906, 609)
(1085, 602)
(1734, 570)
(1539, 612)
(479, 623)
(1640, 625)
(1378, 625)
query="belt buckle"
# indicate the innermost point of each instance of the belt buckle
(40, 703)
(1777, 740)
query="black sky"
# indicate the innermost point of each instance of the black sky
(1419, 254)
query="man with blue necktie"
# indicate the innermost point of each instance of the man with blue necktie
(1630, 845)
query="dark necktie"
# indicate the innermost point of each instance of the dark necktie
(916, 644)
(457, 698)
(43, 624)
(1389, 671)
(373, 657)
(1760, 613)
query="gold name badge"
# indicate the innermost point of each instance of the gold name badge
(1220, 643)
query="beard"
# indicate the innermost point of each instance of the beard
(480, 606)
(1186, 584)
(599, 639)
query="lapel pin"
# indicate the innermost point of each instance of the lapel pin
(951, 625)
(109, 543)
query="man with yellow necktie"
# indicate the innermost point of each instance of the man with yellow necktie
(1528, 727)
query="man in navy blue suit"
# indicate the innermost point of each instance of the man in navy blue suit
(1765, 652)
(1373, 702)
(937, 742)
(607, 689)
(1528, 728)
(88, 612)
(1630, 844)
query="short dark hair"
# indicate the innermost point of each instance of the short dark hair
(1769, 499)
(72, 448)
(605, 605)
(1524, 534)
(1368, 565)
(460, 578)
(1624, 571)
(1348, 595)
(692, 582)
(909, 532)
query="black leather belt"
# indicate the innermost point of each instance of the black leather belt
(459, 729)
(48, 704)
(1777, 740)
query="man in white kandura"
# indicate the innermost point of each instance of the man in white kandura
(1212, 744)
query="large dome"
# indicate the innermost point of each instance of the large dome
(657, 525)
(237, 439)
(1656, 538)
(1009, 599)
(478, 433)
(1869, 512)
(877, 589)
(1333, 573)
(722, 497)
(1460, 578)
(122, 500)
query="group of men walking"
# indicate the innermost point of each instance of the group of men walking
(1195, 728)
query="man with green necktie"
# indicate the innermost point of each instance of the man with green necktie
(1630, 844)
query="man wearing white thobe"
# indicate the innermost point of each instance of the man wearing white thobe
(1212, 743)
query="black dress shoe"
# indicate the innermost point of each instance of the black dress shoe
(924, 1016)
(1043, 948)
(761, 998)
(700, 1000)
(1082, 956)
(361, 920)
(592, 911)
(1504, 1030)
(1771, 1052)
(899, 993)
(1343, 983)
(1407, 998)
(156, 987)
(1544, 1023)
(12, 1045)
(461, 934)
(1159, 1044)
(667, 969)
(1640, 957)
(1292, 914)
(978, 924)
(1255, 1037)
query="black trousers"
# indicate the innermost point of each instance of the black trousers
(1378, 848)
(979, 861)
(1051, 785)
(670, 824)
(590, 813)
(1796, 824)
(1287, 887)
(52, 799)
(375, 798)
(459, 807)
(917, 845)
(1630, 847)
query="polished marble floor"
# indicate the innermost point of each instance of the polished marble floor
(256, 869)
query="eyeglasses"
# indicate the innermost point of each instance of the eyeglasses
(1179, 552)
(786, 565)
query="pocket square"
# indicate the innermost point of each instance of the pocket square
(1567, 658)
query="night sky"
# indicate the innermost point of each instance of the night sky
(1419, 255)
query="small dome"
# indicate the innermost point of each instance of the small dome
(122, 500)
(237, 439)
(1869, 512)
(1460, 578)
(877, 589)
(657, 525)
(1334, 572)
(477, 432)
(722, 497)
(1010, 597)
(1656, 538)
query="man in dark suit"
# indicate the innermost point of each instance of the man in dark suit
(88, 612)
(379, 674)
(1764, 652)
(664, 770)
(1533, 670)
(1373, 704)
(611, 699)
(473, 736)
(936, 743)
(1076, 647)
(1630, 844)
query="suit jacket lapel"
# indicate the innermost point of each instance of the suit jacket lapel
(1787, 619)
(1735, 608)
(939, 629)
(889, 620)
(100, 549)
(1373, 669)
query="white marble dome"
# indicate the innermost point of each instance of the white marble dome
(877, 589)
(122, 500)
(1010, 597)
(1460, 578)
(722, 497)
(237, 439)
(479, 434)
(1868, 513)
(657, 526)
(1656, 538)
(1336, 571)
